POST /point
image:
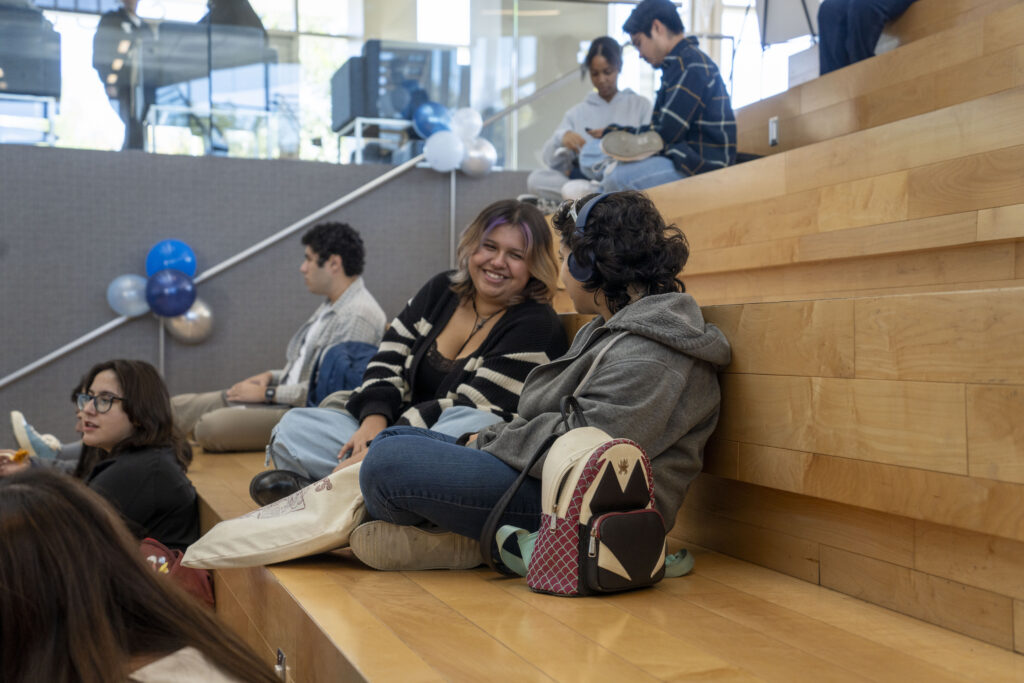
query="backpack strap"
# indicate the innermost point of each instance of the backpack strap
(569, 407)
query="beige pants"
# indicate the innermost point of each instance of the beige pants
(219, 426)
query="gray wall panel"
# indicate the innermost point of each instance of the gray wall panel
(72, 220)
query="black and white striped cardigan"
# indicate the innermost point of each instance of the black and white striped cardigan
(527, 335)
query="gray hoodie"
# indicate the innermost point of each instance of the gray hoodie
(657, 385)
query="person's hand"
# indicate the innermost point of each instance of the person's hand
(251, 390)
(371, 426)
(596, 132)
(7, 464)
(348, 462)
(573, 141)
(472, 438)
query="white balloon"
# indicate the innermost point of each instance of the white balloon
(444, 151)
(480, 157)
(466, 123)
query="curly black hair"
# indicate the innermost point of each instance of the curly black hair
(342, 239)
(625, 239)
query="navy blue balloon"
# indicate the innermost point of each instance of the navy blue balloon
(170, 293)
(171, 254)
(429, 118)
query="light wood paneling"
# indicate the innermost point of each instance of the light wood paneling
(982, 125)
(929, 643)
(1003, 222)
(1018, 626)
(956, 268)
(1003, 29)
(955, 337)
(665, 654)
(779, 551)
(996, 564)
(757, 652)
(878, 535)
(995, 432)
(754, 180)
(760, 221)
(809, 338)
(873, 661)
(983, 505)
(925, 233)
(914, 424)
(978, 181)
(880, 199)
(978, 613)
(554, 648)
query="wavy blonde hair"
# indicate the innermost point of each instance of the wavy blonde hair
(540, 250)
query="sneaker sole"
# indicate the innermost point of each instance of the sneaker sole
(20, 435)
(641, 150)
(391, 547)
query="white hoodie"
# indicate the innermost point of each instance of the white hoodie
(626, 109)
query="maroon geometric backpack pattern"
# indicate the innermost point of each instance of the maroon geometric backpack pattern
(600, 531)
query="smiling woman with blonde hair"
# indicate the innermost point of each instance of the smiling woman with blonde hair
(453, 360)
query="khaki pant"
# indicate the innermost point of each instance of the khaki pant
(220, 426)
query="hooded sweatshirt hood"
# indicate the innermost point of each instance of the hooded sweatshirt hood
(656, 385)
(675, 321)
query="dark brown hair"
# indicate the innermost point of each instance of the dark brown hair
(632, 252)
(148, 407)
(606, 47)
(540, 252)
(78, 603)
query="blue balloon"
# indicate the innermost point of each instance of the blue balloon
(126, 294)
(170, 292)
(173, 254)
(429, 118)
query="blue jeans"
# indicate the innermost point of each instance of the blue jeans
(850, 29)
(307, 440)
(626, 175)
(411, 476)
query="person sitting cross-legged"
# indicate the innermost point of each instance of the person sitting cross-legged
(429, 494)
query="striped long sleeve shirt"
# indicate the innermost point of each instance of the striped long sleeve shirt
(490, 378)
(692, 112)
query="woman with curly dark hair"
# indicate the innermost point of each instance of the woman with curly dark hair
(657, 385)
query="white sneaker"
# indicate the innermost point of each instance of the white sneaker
(562, 159)
(574, 189)
(45, 446)
(625, 146)
(393, 547)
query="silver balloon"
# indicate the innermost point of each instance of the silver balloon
(193, 326)
(480, 157)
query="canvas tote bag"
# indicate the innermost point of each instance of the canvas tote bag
(316, 519)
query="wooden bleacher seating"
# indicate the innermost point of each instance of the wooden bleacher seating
(981, 54)
(872, 284)
(729, 620)
(871, 280)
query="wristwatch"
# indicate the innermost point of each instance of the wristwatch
(268, 396)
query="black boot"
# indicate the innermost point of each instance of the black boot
(273, 485)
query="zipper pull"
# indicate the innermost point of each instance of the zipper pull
(592, 549)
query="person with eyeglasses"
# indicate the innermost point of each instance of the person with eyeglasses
(131, 454)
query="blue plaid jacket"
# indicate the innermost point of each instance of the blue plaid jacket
(692, 112)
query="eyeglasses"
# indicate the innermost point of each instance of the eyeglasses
(103, 402)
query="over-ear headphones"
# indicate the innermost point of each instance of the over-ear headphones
(582, 271)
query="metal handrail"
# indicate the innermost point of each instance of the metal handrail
(286, 232)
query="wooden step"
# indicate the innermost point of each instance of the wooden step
(979, 56)
(729, 620)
